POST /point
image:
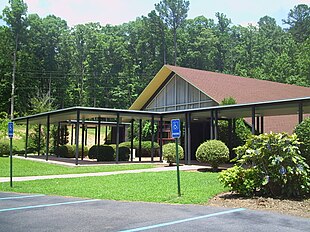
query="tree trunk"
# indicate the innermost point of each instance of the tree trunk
(175, 45)
(13, 78)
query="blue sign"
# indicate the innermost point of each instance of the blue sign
(11, 129)
(175, 128)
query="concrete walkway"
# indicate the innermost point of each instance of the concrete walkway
(158, 169)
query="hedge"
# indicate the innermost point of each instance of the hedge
(68, 151)
(146, 150)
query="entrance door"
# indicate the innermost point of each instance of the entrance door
(200, 132)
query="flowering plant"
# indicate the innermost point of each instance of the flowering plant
(281, 170)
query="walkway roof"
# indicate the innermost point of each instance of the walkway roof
(268, 108)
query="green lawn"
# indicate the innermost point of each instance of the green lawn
(33, 168)
(196, 187)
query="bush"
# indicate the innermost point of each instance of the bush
(146, 150)
(65, 151)
(213, 152)
(4, 148)
(101, 153)
(93, 151)
(243, 181)
(278, 167)
(169, 152)
(34, 138)
(123, 152)
(80, 150)
(303, 132)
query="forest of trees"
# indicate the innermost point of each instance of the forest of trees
(108, 66)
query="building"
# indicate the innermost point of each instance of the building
(177, 88)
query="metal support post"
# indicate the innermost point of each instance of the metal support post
(153, 137)
(117, 137)
(27, 135)
(77, 130)
(47, 136)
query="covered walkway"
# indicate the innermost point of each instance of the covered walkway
(117, 118)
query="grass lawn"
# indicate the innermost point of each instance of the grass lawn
(33, 168)
(196, 187)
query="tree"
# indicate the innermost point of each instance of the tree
(15, 17)
(299, 21)
(222, 31)
(197, 43)
(173, 13)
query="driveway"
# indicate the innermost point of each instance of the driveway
(25, 212)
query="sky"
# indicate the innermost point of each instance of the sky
(115, 12)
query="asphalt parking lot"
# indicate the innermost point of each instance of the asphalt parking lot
(35, 212)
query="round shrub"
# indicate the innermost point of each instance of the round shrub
(61, 151)
(213, 152)
(101, 153)
(169, 152)
(93, 151)
(123, 153)
(105, 153)
(303, 133)
(65, 151)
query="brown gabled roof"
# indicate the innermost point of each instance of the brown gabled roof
(244, 90)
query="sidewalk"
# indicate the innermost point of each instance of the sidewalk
(158, 169)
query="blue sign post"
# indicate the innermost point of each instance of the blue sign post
(10, 129)
(175, 128)
(176, 134)
(10, 134)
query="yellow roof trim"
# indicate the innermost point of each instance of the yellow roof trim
(151, 88)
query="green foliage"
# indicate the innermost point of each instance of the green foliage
(101, 153)
(241, 180)
(65, 151)
(68, 151)
(299, 21)
(41, 103)
(123, 153)
(93, 151)
(241, 132)
(279, 168)
(228, 101)
(3, 127)
(4, 147)
(147, 130)
(33, 143)
(146, 147)
(77, 64)
(80, 151)
(169, 152)
(213, 152)
(303, 133)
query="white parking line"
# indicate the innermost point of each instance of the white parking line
(46, 205)
(183, 220)
(20, 197)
